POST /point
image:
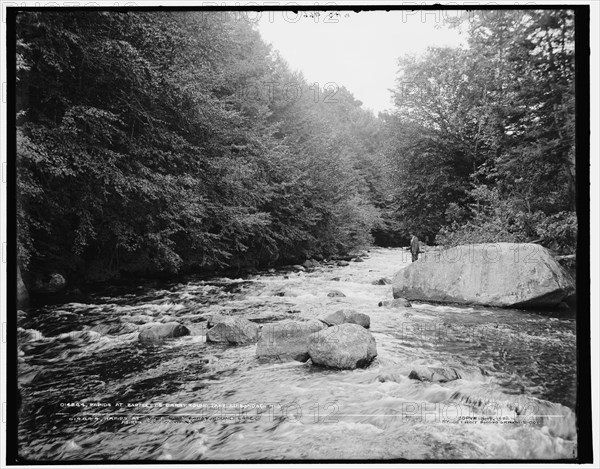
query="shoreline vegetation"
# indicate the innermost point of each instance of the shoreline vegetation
(148, 147)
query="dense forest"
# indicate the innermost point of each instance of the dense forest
(179, 141)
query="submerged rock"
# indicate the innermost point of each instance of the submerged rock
(396, 303)
(286, 292)
(499, 274)
(154, 333)
(234, 331)
(434, 374)
(346, 316)
(287, 340)
(347, 346)
(116, 328)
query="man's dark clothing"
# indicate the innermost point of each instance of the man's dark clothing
(414, 248)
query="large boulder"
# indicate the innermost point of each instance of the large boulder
(158, 332)
(346, 346)
(235, 331)
(498, 274)
(346, 316)
(286, 340)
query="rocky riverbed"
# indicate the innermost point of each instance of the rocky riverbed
(448, 382)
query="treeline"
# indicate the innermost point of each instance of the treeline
(164, 142)
(482, 139)
(172, 141)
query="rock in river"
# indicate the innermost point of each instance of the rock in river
(346, 316)
(287, 340)
(346, 346)
(396, 303)
(154, 333)
(234, 331)
(336, 294)
(381, 281)
(435, 375)
(496, 274)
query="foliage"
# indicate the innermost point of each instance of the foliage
(482, 138)
(138, 154)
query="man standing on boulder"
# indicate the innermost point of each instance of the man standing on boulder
(414, 247)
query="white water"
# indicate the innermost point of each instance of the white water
(514, 400)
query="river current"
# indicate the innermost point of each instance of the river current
(91, 390)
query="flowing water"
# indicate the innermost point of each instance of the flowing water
(92, 391)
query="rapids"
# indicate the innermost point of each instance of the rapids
(91, 391)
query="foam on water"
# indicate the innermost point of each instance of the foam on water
(516, 367)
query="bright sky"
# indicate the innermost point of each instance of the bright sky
(357, 50)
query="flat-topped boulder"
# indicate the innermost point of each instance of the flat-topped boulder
(495, 274)
(287, 340)
(234, 331)
(347, 346)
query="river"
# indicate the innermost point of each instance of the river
(91, 391)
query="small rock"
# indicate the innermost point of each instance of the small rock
(390, 376)
(358, 259)
(346, 316)
(347, 346)
(335, 279)
(298, 268)
(56, 283)
(236, 331)
(155, 333)
(335, 294)
(343, 263)
(289, 293)
(271, 271)
(396, 303)
(382, 281)
(435, 375)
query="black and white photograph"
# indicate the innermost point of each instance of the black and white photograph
(302, 233)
